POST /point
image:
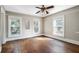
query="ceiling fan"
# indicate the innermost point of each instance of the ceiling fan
(44, 9)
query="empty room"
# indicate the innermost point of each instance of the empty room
(39, 28)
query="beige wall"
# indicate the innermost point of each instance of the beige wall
(71, 23)
(2, 29)
(25, 33)
(46, 24)
(2, 21)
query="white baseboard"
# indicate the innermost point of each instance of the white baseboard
(10, 39)
(3, 42)
(64, 39)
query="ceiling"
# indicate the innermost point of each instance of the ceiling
(31, 10)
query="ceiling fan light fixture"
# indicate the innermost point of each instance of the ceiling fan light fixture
(44, 9)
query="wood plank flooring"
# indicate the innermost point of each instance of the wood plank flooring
(39, 45)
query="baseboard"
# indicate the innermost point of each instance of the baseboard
(64, 39)
(22, 38)
(3, 42)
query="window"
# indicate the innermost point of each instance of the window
(58, 26)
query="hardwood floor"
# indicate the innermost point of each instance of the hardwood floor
(39, 45)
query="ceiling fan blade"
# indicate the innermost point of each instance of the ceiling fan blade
(37, 12)
(38, 7)
(47, 12)
(50, 7)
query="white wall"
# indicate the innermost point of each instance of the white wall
(0, 30)
(71, 24)
(48, 26)
(25, 33)
(2, 25)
